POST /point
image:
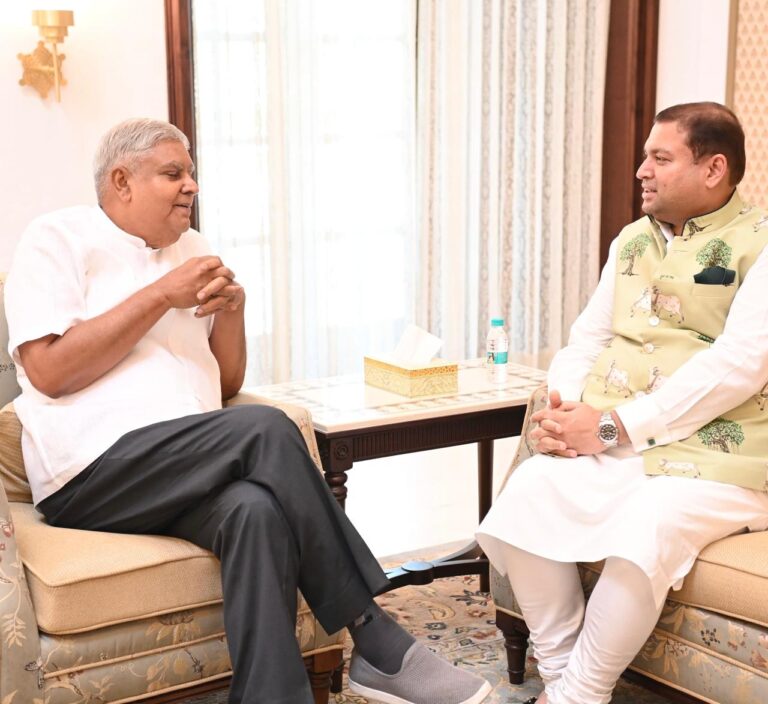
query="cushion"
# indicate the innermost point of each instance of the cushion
(12, 473)
(83, 580)
(730, 577)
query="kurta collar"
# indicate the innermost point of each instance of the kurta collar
(110, 226)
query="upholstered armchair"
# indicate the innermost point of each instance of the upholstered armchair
(99, 617)
(711, 641)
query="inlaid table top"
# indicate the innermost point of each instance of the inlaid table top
(342, 403)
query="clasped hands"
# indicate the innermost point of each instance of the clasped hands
(566, 428)
(202, 282)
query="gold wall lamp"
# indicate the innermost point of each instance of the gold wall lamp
(42, 68)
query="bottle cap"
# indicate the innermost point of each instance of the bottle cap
(497, 322)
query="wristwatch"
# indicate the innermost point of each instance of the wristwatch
(607, 430)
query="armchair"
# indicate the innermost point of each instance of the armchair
(711, 641)
(89, 617)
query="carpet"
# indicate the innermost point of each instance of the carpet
(456, 621)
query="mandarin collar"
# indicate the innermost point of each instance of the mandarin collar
(709, 222)
(110, 226)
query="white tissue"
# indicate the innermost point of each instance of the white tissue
(416, 348)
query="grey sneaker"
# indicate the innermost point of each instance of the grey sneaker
(424, 678)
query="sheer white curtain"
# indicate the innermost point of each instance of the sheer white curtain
(510, 100)
(369, 163)
(306, 142)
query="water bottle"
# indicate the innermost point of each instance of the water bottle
(496, 348)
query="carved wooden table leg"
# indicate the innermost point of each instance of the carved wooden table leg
(338, 452)
(336, 456)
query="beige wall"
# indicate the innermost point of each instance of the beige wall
(750, 95)
(115, 68)
(693, 51)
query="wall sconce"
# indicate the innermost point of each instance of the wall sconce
(42, 68)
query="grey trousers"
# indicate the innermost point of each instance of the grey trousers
(238, 482)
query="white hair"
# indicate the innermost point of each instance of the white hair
(126, 143)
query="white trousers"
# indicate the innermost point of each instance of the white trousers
(557, 512)
(581, 651)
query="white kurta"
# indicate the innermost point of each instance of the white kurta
(73, 265)
(593, 507)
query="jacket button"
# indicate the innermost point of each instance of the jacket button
(648, 347)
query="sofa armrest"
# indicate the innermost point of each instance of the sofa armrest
(299, 415)
(537, 400)
(21, 679)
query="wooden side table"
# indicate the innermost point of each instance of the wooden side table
(354, 422)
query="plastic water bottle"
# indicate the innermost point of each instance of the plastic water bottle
(496, 348)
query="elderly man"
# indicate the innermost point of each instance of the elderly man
(653, 443)
(127, 334)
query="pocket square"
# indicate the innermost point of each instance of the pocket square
(715, 275)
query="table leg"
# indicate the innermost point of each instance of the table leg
(336, 456)
(484, 478)
(484, 492)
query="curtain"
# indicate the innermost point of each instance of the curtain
(306, 135)
(373, 163)
(510, 99)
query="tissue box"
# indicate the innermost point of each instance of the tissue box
(438, 377)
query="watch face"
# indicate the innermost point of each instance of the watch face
(608, 432)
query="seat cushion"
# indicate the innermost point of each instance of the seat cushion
(83, 580)
(730, 577)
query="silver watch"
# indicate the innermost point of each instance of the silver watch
(607, 430)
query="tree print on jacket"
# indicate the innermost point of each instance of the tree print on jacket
(715, 253)
(721, 434)
(632, 250)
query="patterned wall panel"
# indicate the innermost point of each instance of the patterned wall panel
(750, 95)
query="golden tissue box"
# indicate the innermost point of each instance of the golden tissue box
(438, 377)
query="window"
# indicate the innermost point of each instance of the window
(305, 116)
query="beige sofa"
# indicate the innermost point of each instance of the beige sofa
(711, 642)
(90, 617)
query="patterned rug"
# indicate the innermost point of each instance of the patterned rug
(456, 621)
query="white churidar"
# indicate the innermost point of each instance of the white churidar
(580, 651)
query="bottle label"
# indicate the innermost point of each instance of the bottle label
(496, 357)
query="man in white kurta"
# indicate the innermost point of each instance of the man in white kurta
(127, 335)
(589, 494)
